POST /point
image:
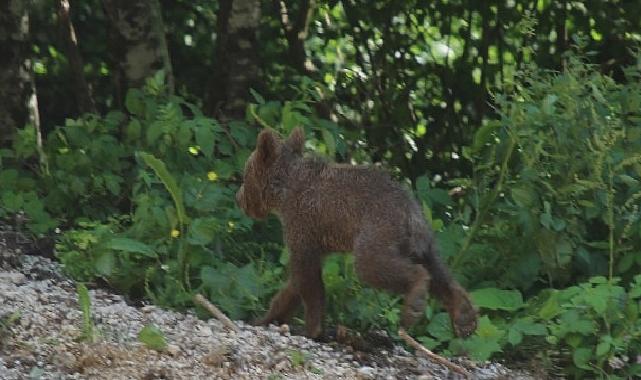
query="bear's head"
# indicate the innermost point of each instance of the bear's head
(266, 171)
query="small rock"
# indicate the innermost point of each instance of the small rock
(217, 356)
(15, 278)
(23, 357)
(282, 365)
(366, 372)
(172, 349)
(284, 329)
(148, 308)
(64, 359)
(204, 331)
(25, 322)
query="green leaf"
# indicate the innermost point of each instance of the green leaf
(113, 184)
(105, 263)
(487, 329)
(514, 336)
(239, 132)
(581, 358)
(528, 327)
(439, 196)
(183, 136)
(12, 201)
(131, 245)
(598, 299)
(440, 327)
(203, 230)
(330, 143)
(422, 184)
(635, 292)
(213, 279)
(630, 181)
(497, 299)
(84, 301)
(626, 262)
(205, 138)
(551, 308)
(170, 184)
(134, 101)
(428, 342)
(259, 99)
(523, 197)
(154, 131)
(572, 321)
(331, 268)
(546, 220)
(603, 348)
(548, 104)
(297, 358)
(134, 130)
(152, 338)
(482, 349)
(483, 136)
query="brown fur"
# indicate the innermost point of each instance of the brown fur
(331, 207)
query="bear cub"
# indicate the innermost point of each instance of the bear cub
(326, 207)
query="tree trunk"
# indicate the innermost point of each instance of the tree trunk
(82, 92)
(236, 67)
(139, 43)
(16, 87)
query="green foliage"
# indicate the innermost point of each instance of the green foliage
(298, 358)
(547, 232)
(88, 329)
(600, 324)
(561, 171)
(285, 116)
(6, 321)
(18, 194)
(593, 329)
(553, 202)
(351, 303)
(152, 338)
(170, 184)
(240, 290)
(550, 166)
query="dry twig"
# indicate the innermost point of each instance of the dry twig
(437, 358)
(213, 310)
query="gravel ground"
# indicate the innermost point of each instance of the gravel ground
(41, 329)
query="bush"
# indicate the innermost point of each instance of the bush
(554, 201)
(548, 233)
(557, 184)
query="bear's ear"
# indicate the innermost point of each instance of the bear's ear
(296, 140)
(266, 146)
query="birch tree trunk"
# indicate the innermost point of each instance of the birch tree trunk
(236, 68)
(139, 46)
(16, 86)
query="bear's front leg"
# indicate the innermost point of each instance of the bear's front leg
(305, 284)
(307, 278)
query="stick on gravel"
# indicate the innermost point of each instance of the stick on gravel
(213, 310)
(437, 358)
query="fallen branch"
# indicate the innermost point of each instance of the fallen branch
(213, 310)
(437, 358)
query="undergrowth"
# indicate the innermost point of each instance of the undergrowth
(546, 234)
